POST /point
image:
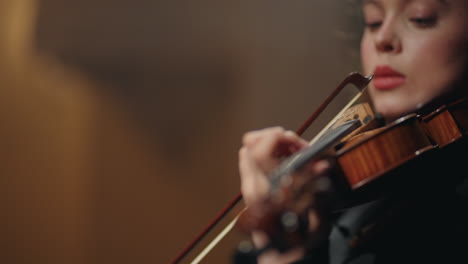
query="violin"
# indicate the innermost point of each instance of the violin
(368, 156)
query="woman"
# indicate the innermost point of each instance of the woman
(418, 53)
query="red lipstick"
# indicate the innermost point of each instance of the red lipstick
(386, 78)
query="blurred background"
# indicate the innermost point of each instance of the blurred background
(120, 120)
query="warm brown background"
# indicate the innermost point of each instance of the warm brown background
(120, 120)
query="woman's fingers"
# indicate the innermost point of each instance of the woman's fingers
(254, 183)
(261, 152)
(252, 137)
(275, 257)
(268, 146)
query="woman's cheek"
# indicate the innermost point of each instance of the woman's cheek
(366, 57)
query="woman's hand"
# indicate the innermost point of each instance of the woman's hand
(262, 151)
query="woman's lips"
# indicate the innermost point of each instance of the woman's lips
(386, 78)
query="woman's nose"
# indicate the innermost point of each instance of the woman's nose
(387, 38)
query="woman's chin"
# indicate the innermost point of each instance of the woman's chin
(391, 112)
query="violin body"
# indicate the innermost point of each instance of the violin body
(448, 123)
(374, 153)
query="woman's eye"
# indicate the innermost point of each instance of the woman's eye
(373, 25)
(424, 21)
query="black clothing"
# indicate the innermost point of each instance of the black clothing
(427, 223)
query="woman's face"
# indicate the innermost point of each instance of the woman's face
(417, 50)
